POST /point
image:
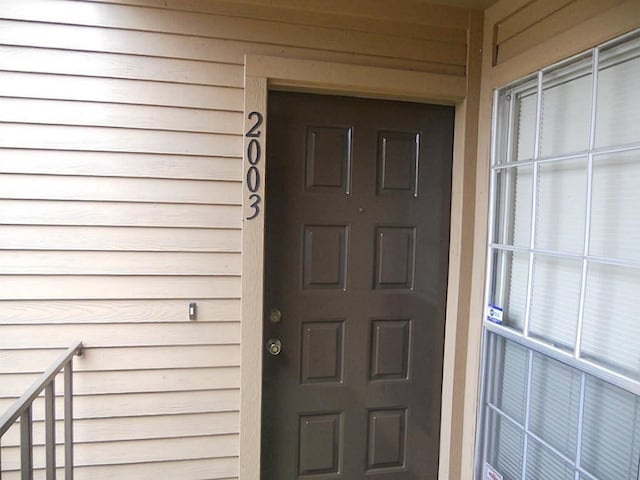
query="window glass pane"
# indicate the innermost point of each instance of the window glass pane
(562, 192)
(524, 130)
(618, 115)
(555, 298)
(610, 424)
(511, 270)
(611, 432)
(555, 399)
(505, 447)
(566, 109)
(611, 331)
(543, 463)
(513, 209)
(510, 366)
(615, 214)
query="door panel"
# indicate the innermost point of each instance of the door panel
(356, 262)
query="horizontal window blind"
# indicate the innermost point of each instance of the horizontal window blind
(549, 420)
(561, 382)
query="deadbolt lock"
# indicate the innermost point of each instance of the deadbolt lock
(274, 346)
(275, 315)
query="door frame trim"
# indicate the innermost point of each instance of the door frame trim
(263, 73)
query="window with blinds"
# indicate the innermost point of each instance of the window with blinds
(561, 358)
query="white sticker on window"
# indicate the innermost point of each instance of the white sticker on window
(494, 314)
(492, 474)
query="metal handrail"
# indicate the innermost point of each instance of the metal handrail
(22, 409)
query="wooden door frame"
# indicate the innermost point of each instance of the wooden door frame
(263, 73)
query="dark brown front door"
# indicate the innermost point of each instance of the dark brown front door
(358, 204)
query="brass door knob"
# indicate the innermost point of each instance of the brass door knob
(274, 346)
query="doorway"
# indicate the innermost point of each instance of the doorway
(357, 243)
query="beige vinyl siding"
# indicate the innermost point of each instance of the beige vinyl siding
(134, 405)
(215, 468)
(123, 238)
(124, 263)
(120, 203)
(153, 357)
(109, 164)
(538, 20)
(203, 33)
(70, 312)
(189, 425)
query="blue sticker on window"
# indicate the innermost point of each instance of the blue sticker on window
(494, 314)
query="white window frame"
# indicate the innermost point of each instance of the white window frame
(534, 345)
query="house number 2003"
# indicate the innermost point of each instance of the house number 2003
(254, 155)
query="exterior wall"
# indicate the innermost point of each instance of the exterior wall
(520, 37)
(121, 159)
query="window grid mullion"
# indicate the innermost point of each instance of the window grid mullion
(541, 441)
(591, 258)
(527, 413)
(506, 217)
(508, 152)
(534, 207)
(592, 368)
(583, 388)
(490, 346)
(538, 128)
(570, 156)
(587, 221)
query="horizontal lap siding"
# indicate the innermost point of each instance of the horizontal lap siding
(136, 428)
(117, 358)
(119, 263)
(539, 20)
(120, 203)
(132, 405)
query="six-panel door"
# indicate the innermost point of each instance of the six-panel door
(358, 201)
